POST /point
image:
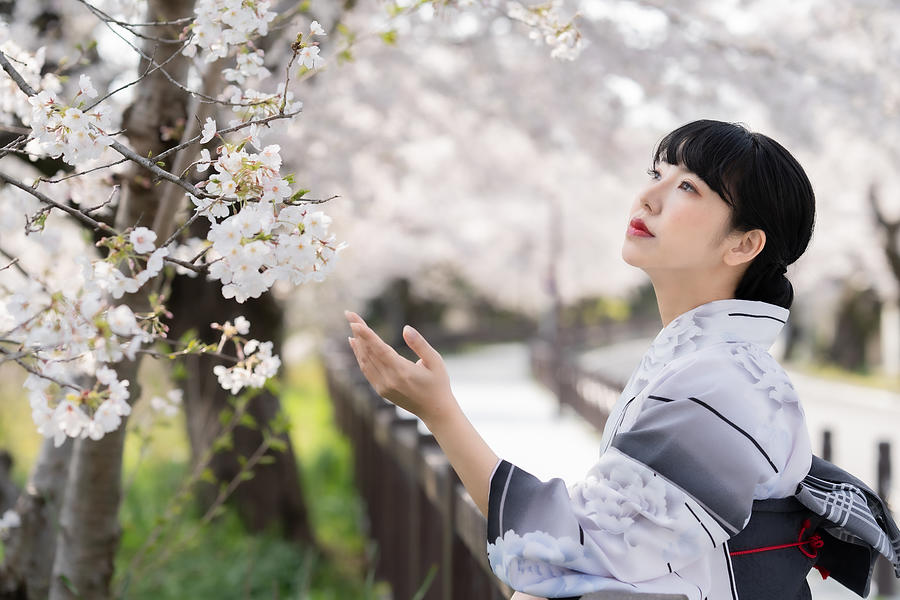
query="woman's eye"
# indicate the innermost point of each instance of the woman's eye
(687, 186)
(653, 173)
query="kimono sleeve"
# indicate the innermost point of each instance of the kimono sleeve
(669, 490)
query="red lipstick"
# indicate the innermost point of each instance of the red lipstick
(637, 228)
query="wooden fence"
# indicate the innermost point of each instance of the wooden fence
(419, 514)
(591, 394)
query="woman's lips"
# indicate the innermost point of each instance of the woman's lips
(637, 228)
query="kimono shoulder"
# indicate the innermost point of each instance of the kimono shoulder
(724, 424)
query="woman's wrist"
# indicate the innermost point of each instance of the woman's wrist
(468, 453)
(438, 414)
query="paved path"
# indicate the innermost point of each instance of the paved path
(521, 420)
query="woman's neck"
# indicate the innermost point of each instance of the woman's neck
(678, 295)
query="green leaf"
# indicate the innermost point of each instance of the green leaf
(247, 420)
(429, 577)
(223, 443)
(298, 194)
(345, 56)
(247, 475)
(208, 476)
(179, 371)
(225, 416)
(389, 37)
(277, 444)
(69, 585)
(268, 459)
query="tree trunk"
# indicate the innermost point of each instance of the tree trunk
(89, 525)
(30, 549)
(89, 521)
(273, 498)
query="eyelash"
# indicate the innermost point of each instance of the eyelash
(655, 175)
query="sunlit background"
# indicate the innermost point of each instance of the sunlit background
(484, 188)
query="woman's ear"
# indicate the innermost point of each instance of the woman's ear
(744, 247)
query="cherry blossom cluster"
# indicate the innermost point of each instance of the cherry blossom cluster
(546, 24)
(222, 24)
(130, 251)
(251, 104)
(92, 413)
(256, 362)
(72, 338)
(258, 246)
(266, 239)
(13, 101)
(65, 130)
(169, 404)
(249, 63)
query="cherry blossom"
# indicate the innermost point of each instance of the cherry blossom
(142, 239)
(63, 130)
(222, 24)
(169, 404)
(9, 520)
(209, 130)
(310, 58)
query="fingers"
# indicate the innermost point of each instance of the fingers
(376, 349)
(428, 355)
(381, 362)
(371, 371)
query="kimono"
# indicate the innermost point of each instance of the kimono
(707, 424)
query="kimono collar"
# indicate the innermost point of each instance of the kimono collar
(728, 320)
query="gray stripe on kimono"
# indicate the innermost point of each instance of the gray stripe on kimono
(694, 446)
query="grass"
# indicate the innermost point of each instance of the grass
(874, 379)
(223, 561)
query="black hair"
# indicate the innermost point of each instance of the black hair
(766, 189)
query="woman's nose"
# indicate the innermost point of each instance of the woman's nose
(649, 198)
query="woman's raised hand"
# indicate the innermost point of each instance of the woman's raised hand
(422, 388)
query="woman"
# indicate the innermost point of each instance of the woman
(707, 423)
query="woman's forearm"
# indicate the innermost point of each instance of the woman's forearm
(468, 453)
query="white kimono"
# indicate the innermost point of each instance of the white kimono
(707, 423)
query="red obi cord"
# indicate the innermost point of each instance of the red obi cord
(813, 542)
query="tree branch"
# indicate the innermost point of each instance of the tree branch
(77, 214)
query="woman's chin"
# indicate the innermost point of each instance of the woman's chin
(630, 256)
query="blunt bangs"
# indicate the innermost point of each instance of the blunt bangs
(719, 153)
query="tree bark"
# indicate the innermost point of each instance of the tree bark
(31, 547)
(89, 520)
(89, 526)
(273, 498)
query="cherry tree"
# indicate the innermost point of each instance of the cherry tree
(119, 183)
(485, 135)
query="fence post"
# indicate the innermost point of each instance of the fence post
(884, 572)
(826, 445)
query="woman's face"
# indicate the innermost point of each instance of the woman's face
(688, 221)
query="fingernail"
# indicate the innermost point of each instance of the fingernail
(409, 330)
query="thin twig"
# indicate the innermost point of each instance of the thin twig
(108, 19)
(34, 371)
(13, 145)
(14, 262)
(79, 215)
(77, 173)
(11, 71)
(115, 190)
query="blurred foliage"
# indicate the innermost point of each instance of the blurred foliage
(17, 432)
(224, 561)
